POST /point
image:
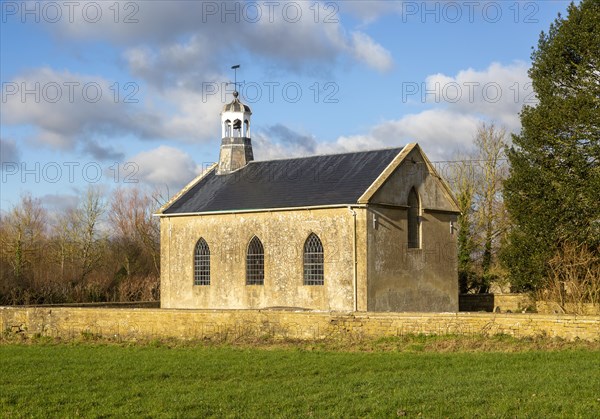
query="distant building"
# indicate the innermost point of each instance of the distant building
(362, 231)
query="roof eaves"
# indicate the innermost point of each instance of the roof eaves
(185, 189)
(243, 211)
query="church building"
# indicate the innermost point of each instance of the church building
(360, 231)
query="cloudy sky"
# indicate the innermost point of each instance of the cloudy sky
(123, 93)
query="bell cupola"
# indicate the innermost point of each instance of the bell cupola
(236, 147)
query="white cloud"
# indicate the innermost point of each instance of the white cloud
(440, 132)
(368, 51)
(194, 117)
(446, 129)
(279, 141)
(265, 148)
(497, 92)
(353, 143)
(68, 108)
(165, 165)
(71, 111)
(297, 36)
(187, 63)
(451, 124)
(173, 47)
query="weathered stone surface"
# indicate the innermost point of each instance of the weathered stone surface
(282, 234)
(411, 279)
(128, 323)
(236, 152)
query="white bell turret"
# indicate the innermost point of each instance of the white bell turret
(236, 147)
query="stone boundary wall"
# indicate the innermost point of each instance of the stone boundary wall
(140, 323)
(586, 309)
(514, 303)
(517, 303)
(126, 304)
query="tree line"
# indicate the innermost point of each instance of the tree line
(105, 249)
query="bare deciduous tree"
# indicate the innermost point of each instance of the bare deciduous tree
(84, 221)
(139, 233)
(477, 180)
(574, 280)
(22, 241)
(491, 218)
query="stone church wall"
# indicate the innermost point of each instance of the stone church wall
(282, 234)
(411, 279)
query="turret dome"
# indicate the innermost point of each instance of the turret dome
(236, 106)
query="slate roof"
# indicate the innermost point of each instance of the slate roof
(336, 179)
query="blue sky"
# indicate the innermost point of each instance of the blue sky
(110, 93)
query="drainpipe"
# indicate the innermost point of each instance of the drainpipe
(170, 264)
(354, 265)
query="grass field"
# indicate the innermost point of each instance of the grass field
(389, 379)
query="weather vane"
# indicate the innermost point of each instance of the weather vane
(235, 83)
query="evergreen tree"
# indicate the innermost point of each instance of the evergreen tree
(466, 271)
(462, 181)
(553, 190)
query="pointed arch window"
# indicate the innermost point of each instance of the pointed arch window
(313, 261)
(255, 262)
(202, 263)
(414, 220)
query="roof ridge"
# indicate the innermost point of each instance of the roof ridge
(327, 154)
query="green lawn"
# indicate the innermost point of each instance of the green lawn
(109, 380)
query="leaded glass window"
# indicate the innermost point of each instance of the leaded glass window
(313, 261)
(255, 262)
(202, 263)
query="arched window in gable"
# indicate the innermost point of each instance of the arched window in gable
(313, 261)
(414, 220)
(202, 263)
(255, 262)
